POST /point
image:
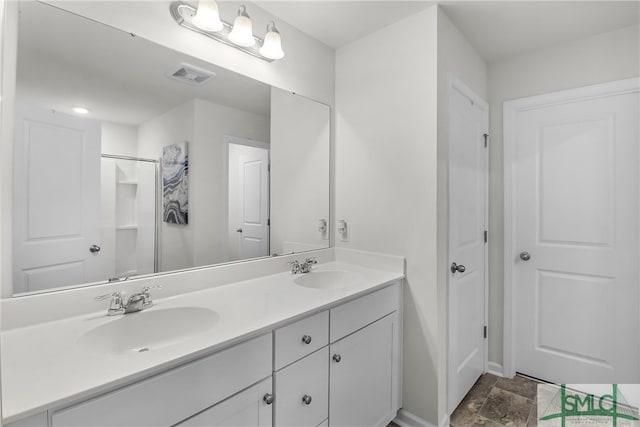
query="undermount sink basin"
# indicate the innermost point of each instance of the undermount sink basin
(331, 279)
(148, 330)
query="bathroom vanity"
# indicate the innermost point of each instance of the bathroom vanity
(315, 349)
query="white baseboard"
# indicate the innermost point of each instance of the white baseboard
(407, 419)
(495, 369)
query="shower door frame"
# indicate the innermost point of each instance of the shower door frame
(156, 228)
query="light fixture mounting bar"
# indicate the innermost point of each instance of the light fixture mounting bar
(183, 14)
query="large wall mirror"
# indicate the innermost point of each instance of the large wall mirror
(133, 159)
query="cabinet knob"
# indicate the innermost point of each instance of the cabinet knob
(337, 358)
(306, 339)
(268, 398)
(306, 399)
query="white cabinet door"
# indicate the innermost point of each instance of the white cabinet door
(302, 391)
(363, 376)
(248, 408)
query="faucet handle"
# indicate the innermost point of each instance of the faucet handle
(108, 296)
(146, 289)
(311, 260)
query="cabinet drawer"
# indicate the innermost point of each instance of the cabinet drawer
(247, 408)
(291, 341)
(356, 314)
(173, 396)
(307, 377)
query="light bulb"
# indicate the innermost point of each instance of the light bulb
(242, 32)
(207, 17)
(272, 44)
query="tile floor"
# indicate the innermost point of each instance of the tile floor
(497, 402)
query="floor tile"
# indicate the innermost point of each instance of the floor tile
(533, 416)
(506, 408)
(468, 409)
(519, 385)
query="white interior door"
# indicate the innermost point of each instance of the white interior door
(574, 254)
(56, 200)
(468, 124)
(254, 203)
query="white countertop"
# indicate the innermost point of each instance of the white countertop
(43, 367)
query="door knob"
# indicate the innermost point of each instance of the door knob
(94, 248)
(306, 339)
(337, 358)
(239, 230)
(268, 398)
(525, 256)
(306, 399)
(457, 268)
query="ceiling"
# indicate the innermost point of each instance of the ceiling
(497, 29)
(337, 23)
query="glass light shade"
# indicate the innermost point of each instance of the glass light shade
(242, 32)
(207, 17)
(272, 45)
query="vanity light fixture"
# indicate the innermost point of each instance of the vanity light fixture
(242, 32)
(207, 17)
(204, 18)
(272, 45)
(81, 110)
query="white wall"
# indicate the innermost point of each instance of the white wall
(204, 125)
(119, 139)
(2, 175)
(175, 242)
(299, 173)
(207, 192)
(307, 68)
(456, 56)
(386, 177)
(610, 56)
(9, 47)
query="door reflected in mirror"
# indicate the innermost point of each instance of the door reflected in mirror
(94, 107)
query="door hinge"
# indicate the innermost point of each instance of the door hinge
(486, 236)
(486, 137)
(269, 165)
(485, 331)
(268, 221)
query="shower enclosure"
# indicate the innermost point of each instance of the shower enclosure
(129, 188)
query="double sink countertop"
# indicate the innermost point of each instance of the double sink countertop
(59, 362)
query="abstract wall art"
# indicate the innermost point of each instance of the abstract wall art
(175, 200)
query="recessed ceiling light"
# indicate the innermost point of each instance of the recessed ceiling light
(81, 110)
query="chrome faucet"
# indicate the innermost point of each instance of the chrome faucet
(120, 304)
(305, 267)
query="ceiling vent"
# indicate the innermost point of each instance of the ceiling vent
(191, 75)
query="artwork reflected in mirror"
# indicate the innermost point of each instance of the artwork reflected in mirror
(133, 159)
(175, 194)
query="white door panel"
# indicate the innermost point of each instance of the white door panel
(56, 200)
(254, 203)
(468, 123)
(576, 212)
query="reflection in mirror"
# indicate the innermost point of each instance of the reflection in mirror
(88, 186)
